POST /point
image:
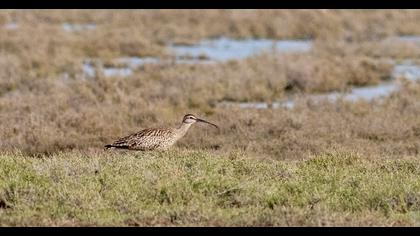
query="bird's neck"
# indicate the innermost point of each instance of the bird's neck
(183, 128)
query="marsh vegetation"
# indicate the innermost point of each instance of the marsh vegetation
(73, 80)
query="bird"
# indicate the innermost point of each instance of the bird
(156, 138)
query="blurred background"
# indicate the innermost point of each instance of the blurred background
(280, 83)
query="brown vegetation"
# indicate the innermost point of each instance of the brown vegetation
(47, 106)
(41, 111)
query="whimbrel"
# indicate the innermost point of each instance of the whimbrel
(157, 138)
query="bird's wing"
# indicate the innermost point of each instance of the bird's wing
(122, 142)
(143, 140)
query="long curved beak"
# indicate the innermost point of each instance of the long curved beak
(204, 121)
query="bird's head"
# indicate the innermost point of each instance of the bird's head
(190, 119)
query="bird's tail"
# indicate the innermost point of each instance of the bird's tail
(108, 146)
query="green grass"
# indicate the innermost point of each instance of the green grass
(192, 188)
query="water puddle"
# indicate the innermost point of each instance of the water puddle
(135, 62)
(224, 49)
(367, 93)
(404, 38)
(206, 52)
(66, 26)
(78, 27)
(90, 70)
(257, 105)
(405, 70)
(213, 51)
(11, 25)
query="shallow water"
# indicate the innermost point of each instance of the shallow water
(66, 26)
(408, 38)
(224, 49)
(260, 105)
(120, 72)
(371, 92)
(11, 25)
(405, 70)
(134, 62)
(78, 27)
(218, 50)
(89, 70)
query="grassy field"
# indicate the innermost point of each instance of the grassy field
(191, 188)
(318, 164)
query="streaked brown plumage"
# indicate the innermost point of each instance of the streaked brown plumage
(158, 138)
